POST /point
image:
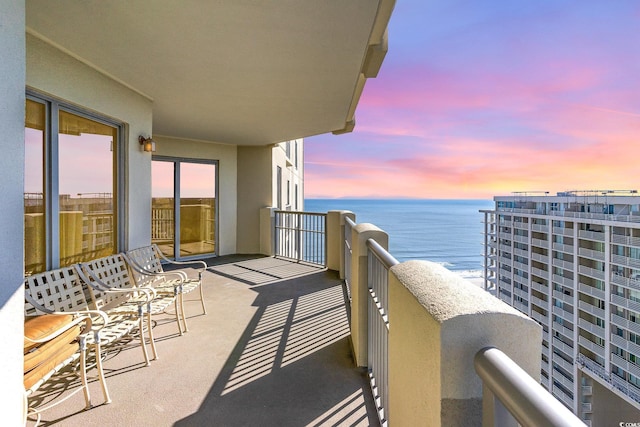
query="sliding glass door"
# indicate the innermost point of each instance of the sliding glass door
(184, 202)
(71, 185)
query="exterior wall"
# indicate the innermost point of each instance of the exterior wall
(56, 73)
(255, 191)
(12, 70)
(555, 259)
(414, 342)
(227, 156)
(609, 409)
(289, 157)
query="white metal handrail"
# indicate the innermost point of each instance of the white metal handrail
(379, 262)
(301, 236)
(518, 395)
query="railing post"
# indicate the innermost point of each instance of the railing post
(267, 231)
(359, 286)
(335, 240)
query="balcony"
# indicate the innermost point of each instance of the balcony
(591, 235)
(539, 243)
(591, 272)
(277, 337)
(277, 348)
(592, 291)
(591, 254)
(540, 228)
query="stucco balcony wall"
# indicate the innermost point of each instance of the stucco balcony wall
(438, 322)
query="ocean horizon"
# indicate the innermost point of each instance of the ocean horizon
(446, 231)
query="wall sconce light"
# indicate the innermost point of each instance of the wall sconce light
(148, 144)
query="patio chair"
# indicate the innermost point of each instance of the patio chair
(146, 263)
(113, 290)
(59, 327)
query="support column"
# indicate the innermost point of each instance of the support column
(335, 239)
(267, 236)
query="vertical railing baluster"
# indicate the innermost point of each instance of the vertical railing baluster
(301, 236)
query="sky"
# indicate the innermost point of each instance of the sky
(484, 98)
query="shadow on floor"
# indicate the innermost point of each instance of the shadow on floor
(292, 366)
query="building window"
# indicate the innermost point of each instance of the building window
(71, 185)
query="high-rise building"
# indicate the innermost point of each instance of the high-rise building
(572, 263)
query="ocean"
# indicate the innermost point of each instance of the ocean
(449, 232)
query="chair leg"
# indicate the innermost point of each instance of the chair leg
(83, 372)
(103, 382)
(153, 343)
(142, 341)
(184, 316)
(177, 305)
(204, 309)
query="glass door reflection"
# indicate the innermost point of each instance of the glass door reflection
(197, 209)
(163, 207)
(192, 230)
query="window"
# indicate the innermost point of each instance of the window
(71, 185)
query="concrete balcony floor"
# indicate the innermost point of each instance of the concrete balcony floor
(273, 350)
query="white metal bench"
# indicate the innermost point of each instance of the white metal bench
(113, 290)
(55, 306)
(146, 264)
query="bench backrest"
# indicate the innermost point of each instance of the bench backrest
(146, 258)
(56, 290)
(112, 272)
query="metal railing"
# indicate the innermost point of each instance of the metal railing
(348, 225)
(301, 236)
(518, 396)
(379, 262)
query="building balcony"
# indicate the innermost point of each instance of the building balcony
(540, 257)
(540, 228)
(624, 323)
(283, 345)
(274, 346)
(625, 240)
(594, 311)
(568, 249)
(591, 254)
(540, 243)
(625, 261)
(625, 303)
(562, 231)
(591, 346)
(592, 291)
(543, 274)
(627, 282)
(567, 366)
(540, 302)
(567, 265)
(592, 328)
(559, 311)
(591, 272)
(591, 235)
(563, 297)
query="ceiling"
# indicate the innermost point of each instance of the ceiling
(245, 72)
